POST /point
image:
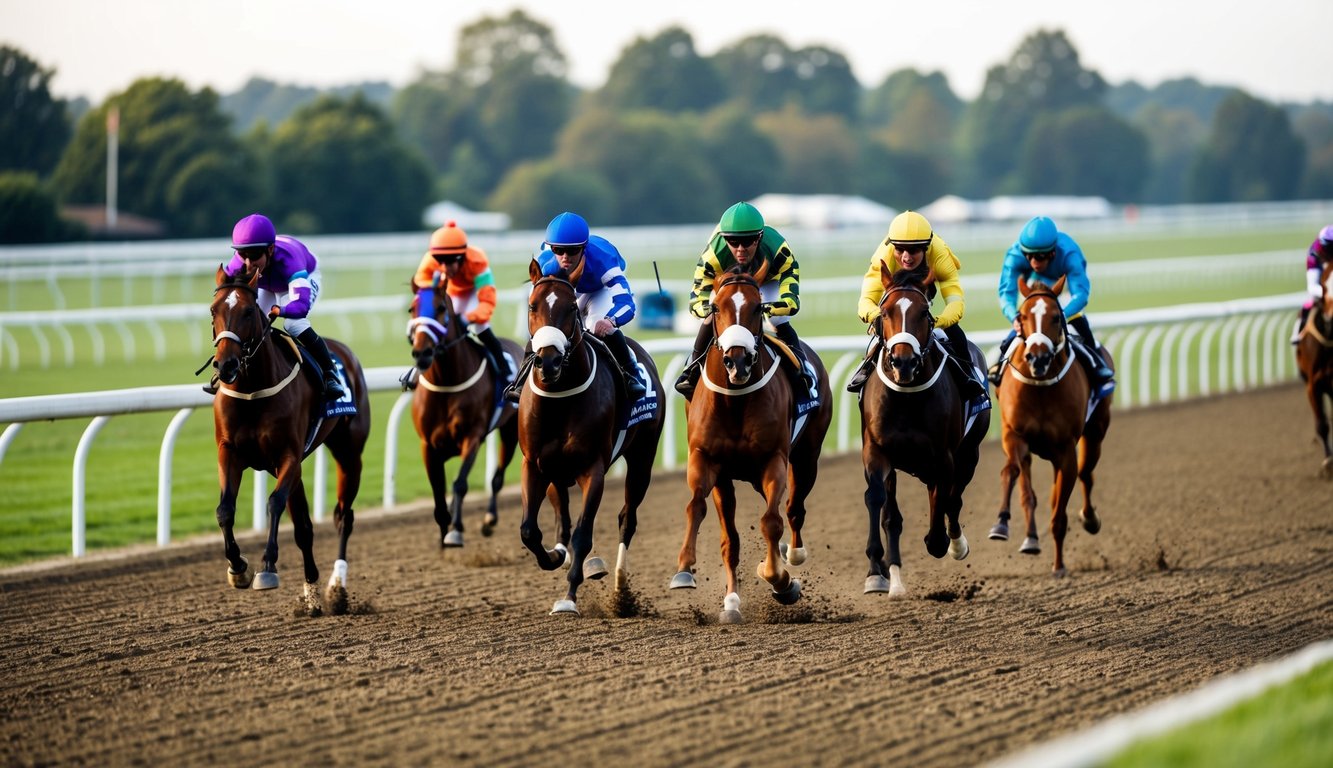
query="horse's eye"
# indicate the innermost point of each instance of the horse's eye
(532, 307)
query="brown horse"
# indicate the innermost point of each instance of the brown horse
(741, 425)
(454, 407)
(913, 419)
(263, 415)
(1044, 401)
(1314, 360)
(568, 428)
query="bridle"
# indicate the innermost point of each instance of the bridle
(1041, 338)
(551, 335)
(438, 332)
(754, 341)
(919, 346)
(248, 348)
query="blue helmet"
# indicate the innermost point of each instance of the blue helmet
(1038, 235)
(254, 231)
(567, 229)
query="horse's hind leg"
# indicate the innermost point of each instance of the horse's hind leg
(434, 459)
(786, 590)
(593, 484)
(468, 450)
(638, 476)
(508, 442)
(349, 463)
(1090, 452)
(802, 476)
(1066, 476)
(239, 573)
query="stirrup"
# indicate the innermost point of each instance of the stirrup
(211, 387)
(333, 389)
(409, 379)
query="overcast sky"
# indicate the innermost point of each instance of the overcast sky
(1280, 50)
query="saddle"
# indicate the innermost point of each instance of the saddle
(805, 397)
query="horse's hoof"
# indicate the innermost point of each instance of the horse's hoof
(789, 595)
(792, 555)
(731, 609)
(565, 560)
(241, 580)
(453, 539)
(1030, 546)
(564, 607)
(958, 547)
(488, 524)
(265, 580)
(936, 547)
(339, 576)
(876, 585)
(1059, 573)
(729, 617)
(683, 580)
(1326, 470)
(1091, 523)
(310, 600)
(594, 568)
(999, 532)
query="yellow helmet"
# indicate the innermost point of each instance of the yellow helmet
(910, 228)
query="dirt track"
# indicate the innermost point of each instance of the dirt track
(1216, 554)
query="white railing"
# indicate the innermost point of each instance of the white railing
(1193, 350)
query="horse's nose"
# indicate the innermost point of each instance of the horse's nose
(228, 371)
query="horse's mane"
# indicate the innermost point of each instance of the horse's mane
(737, 273)
(914, 278)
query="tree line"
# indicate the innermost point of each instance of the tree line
(672, 136)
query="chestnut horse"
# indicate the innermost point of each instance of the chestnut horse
(1044, 409)
(741, 424)
(569, 430)
(1314, 360)
(913, 419)
(454, 407)
(262, 415)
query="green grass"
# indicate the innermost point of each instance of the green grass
(1290, 725)
(122, 481)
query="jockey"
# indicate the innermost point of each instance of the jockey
(289, 281)
(741, 237)
(1321, 251)
(466, 274)
(912, 245)
(603, 292)
(1046, 254)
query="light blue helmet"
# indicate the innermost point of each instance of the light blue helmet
(567, 229)
(1038, 235)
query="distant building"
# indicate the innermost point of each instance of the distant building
(822, 211)
(479, 221)
(128, 226)
(952, 208)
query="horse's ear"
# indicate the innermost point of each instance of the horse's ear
(761, 274)
(1024, 287)
(885, 274)
(222, 274)
(578, 271)
(254, 279)
(1059, 285)
(930, 278)
(534, 271)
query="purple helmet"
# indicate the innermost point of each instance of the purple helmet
(254, 231)
(1326, 236)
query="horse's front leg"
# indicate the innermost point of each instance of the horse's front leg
(434, 459)
(882, 576)
(1066, 475)
(239, 573)
(289, 476)
(592, 484)
(533, 488)
(1090, 452)
(700, 476)
(1014, 449)
(1315, 394)
(1028, 498)
(468, 449)
(303, 531)
(786, 590)
(724, 499)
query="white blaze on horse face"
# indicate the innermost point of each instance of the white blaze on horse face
(549, 336)
(232, 299)
(737, 336)
(903, 337)
(1039, 336)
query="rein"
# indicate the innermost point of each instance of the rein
(1056, 349)
(903, 337)
(249, 350)
(1312, 328)
(443, 342)
(568, 351)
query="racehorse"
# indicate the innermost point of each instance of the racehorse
(263, 415)
(913, 419)
(454, 407)
(570, 430)
(741, 424)
(1044, 409)
(1314, 360)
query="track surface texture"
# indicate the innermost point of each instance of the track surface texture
(1216, 554)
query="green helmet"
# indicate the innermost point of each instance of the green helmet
(741, 219)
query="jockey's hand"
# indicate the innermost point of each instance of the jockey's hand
(475, 318)
(603, 327)
(1018, 326)
(274, 313)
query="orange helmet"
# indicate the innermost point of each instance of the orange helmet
(448, 239)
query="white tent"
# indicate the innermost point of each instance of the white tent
(481, 221)
(822, 211)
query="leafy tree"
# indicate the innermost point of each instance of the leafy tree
(29, 213)
(654, 162)
(1251, 154)
(1084, 151)
(262, 99)
(819, 152)
(1315, 127)
(664, 73)
(1174, 135)
(1043, 75)
(899, 178)
(1130, 99)
(435, 114)
(744, 159)
(163, 128)
(825, 83)
(915, 116)
(34, 127)
(338, 166)
(763, 72)
(534, 192)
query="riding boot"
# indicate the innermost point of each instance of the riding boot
(1100, 371)
(996, 371)
(514, 391)
(615, 341)
(862, 372)
(787, 335)
(314, 344)
(972, 387)
(488, 338)
(690, 376)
